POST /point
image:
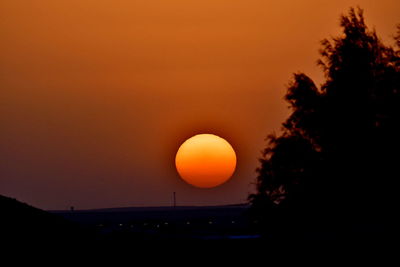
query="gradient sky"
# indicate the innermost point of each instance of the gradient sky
(97, 95)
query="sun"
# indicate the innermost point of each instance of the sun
(205, 161)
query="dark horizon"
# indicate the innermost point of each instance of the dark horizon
(127, 208)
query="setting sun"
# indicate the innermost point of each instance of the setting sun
(205, 161)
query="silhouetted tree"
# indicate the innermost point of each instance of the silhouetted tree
(339, 148)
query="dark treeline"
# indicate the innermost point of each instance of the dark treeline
(335, 163)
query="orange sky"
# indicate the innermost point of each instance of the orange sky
(97, 95)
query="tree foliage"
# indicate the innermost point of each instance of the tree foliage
(339, 147)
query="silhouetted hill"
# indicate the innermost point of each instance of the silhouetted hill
(157, 208)
(24, 225)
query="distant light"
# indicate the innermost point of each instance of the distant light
(187, 222)
(158, 226)
(120, 224)
(210, 222)
(244, 236)
(233, 221)
(166, 223)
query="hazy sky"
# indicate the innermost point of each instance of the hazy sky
(97, 95)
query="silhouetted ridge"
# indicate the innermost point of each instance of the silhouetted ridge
(153, 208)
(23, 224)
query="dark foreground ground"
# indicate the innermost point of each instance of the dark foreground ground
(168, 233)
(168, 223)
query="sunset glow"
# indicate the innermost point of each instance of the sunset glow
(97, 96)
(205, 161)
